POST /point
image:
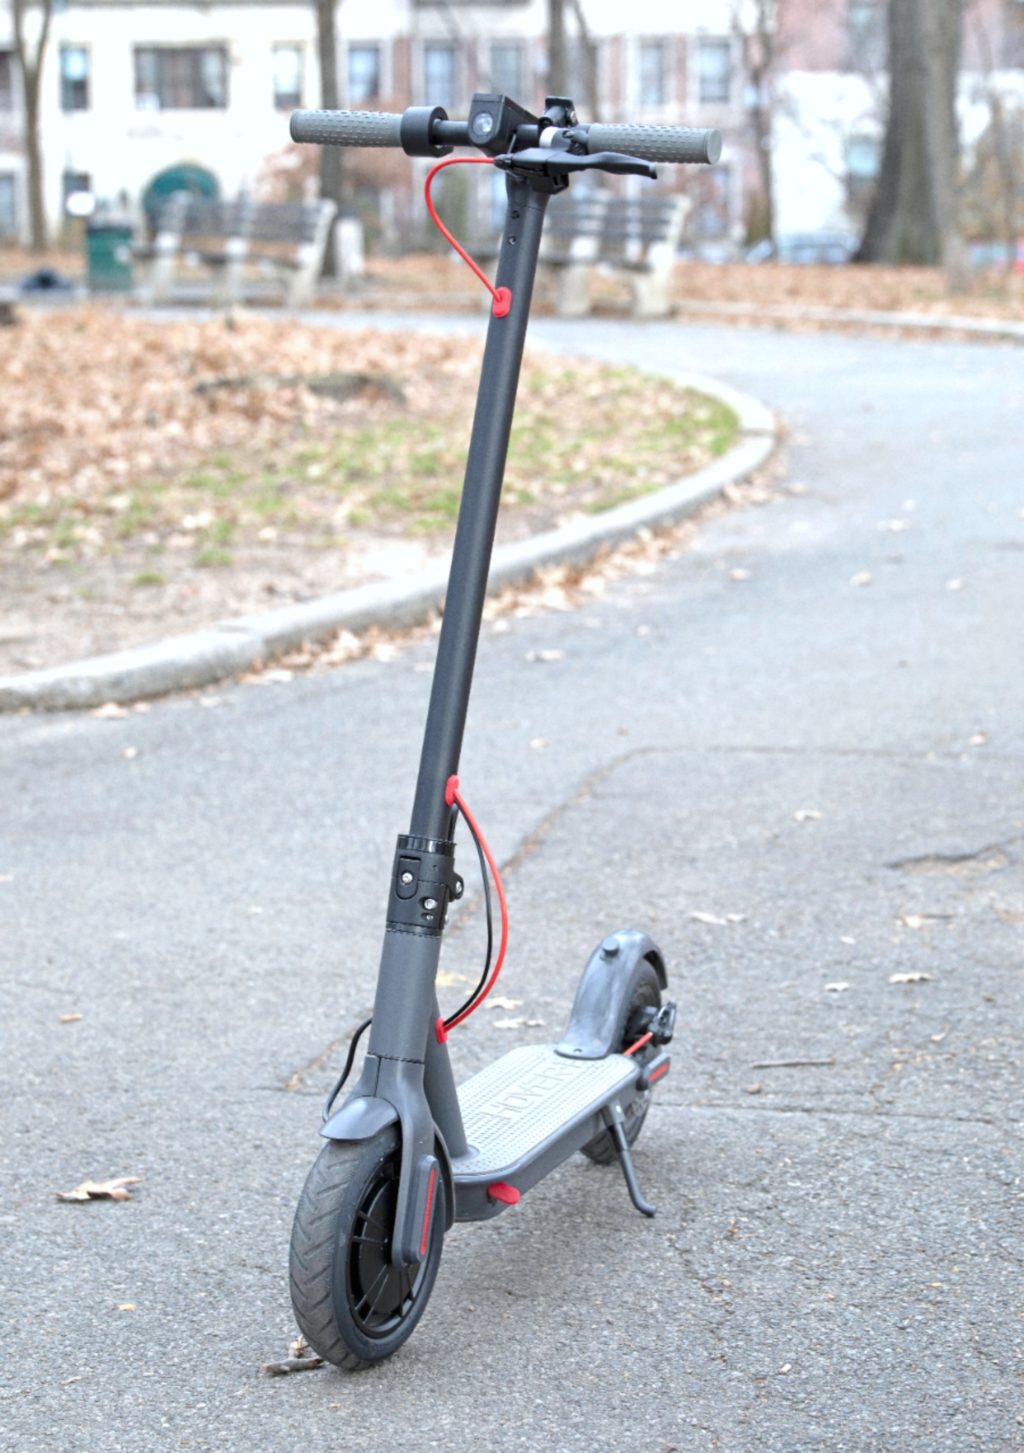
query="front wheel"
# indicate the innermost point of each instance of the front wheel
(352, 1305)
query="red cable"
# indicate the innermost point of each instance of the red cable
(453, 797)
(502, 296)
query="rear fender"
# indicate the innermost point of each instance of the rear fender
(597, 1008)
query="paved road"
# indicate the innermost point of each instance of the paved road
(836, 1263)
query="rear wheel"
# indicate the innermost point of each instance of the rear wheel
(352, 1305)
(643, 992)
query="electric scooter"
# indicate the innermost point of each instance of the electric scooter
(407, 1153)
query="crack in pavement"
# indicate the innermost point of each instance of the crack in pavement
(471, 904)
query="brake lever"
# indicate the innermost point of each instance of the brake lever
(555, 164)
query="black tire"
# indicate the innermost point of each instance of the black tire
(351, 1305)
(643, 992)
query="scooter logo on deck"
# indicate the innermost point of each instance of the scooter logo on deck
(530, 1091)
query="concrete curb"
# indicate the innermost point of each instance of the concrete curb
(228, 647)
(1002, 328)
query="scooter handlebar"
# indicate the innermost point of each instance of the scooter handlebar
(657, 143)
(426, 131)
(347, 128)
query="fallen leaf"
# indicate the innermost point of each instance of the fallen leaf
(954, 585)
(448, 978)
(518, 1023)
(837, 988)
(545, 656)
(291, 1364)
(938, 1038)
(126, 1307)
(913, 978)
(69, 1018)
(109, 711)
(131, 753)
(538, 743)
(713, 918)
(115, 1190)
(979, 739)
(863, 577)
(739, 574)
(807, 814)
(498, 1001)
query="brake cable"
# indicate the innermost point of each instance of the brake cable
(453, 797)
(502, 296)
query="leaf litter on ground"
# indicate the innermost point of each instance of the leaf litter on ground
(114, 1190)
(154, 476)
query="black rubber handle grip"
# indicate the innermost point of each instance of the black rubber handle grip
(347, 128)
(657, 143)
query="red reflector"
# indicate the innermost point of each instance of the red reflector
(426, 1217)
(501, 1191)
(662, 1070)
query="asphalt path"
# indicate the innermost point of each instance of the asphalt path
(793, 753)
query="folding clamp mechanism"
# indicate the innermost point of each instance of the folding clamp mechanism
(423, 880)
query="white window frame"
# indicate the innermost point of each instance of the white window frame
(637, 98)
(421, 69)
(383, 78)
(695, 70)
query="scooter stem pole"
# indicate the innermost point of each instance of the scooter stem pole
(478, 512)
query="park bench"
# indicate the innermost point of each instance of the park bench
(230, 238)
(635, 238)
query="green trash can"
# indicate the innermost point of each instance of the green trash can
(108, 252)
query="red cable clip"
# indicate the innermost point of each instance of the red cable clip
(502, 296)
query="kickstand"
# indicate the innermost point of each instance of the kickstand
(613, 1119)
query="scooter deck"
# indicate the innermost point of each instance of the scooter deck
(525, 1114)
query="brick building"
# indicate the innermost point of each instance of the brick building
(132, 89)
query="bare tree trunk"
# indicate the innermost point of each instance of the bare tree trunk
(558, 78)
(1003, 151)
(31, 63)
(331, 170)
(914, 217)
(589, 48)
(758, 50)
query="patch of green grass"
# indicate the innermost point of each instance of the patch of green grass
(149, 577)
(219, 532)
(619, 495)
(142, 512)
(221, 482)
(64, 534)
(209, 557)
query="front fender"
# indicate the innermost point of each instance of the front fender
(364, 1116)
(596, 1010)
(360, 1118)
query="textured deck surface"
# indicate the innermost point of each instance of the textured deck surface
(514, 1105)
